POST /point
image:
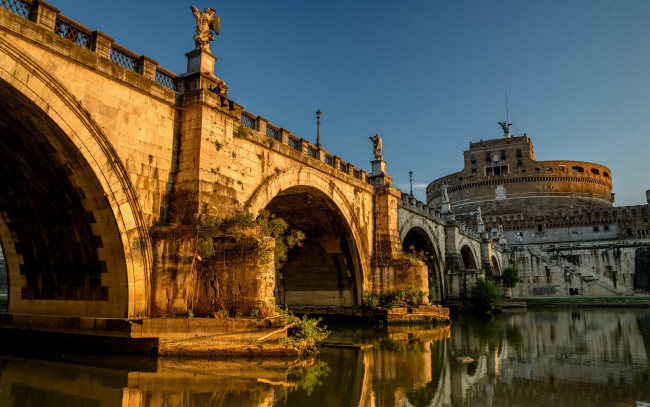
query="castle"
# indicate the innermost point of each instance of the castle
(534, 201)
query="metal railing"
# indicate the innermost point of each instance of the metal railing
(312, 152)
(69, 30)
(344, 167)
(295, 143)
(124, 57)
(329, 160)
(21, 7)
(273, 133)
(167, 79)
(248, 121)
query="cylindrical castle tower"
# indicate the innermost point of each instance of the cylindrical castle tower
(503, 177)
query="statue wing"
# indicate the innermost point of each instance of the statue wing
(214, 24)
(196, 12)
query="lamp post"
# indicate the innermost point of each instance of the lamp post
(318, 112)
(411, 181)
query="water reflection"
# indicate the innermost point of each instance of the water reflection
(560, 358)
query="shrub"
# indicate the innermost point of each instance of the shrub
(510, 277)
(485, 294)
(370, 299)
(305, 332)
(241, 224)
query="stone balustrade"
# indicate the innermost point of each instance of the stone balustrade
(50, 17)
(284, 136)
(419, 207)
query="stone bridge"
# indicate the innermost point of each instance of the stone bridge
(110, 164)
(454, 254)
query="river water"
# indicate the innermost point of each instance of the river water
(537, 358)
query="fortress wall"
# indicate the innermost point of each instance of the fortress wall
(599, 269)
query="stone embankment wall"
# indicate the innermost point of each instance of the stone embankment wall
(587, 269)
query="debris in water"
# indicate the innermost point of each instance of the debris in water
(464, 359)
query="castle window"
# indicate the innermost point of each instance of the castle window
(562, 168)
(519, 163)
(539, 227)
(596, 229)
(473, 167)
(503, 155)
(518, 153)
(595, 171)
(605, 174)
(577, 169)
(488, 157)
(473, 159)
(606, 228)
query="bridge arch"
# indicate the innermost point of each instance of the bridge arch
(70, 222)
(332, 265)
(418, 236)
(469, 257)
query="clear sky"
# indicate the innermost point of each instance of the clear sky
(429, 76)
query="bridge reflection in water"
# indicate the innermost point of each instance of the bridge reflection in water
(560, 358)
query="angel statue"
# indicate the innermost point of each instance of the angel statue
(443, 192)
(506, 127)
(206, 22)
(376, 146)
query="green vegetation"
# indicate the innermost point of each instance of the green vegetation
(305, 332)
(409, 296)
(242, 132)
(485, 294)
(242, 224)
(510, 277)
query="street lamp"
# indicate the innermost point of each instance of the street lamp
(411, 181)
(318, 112)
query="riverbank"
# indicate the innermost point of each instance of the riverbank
(587, 302)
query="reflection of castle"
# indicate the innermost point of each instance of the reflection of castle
(519, 193)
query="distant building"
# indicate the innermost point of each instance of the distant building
(532, 201)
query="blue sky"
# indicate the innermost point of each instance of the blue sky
(428, 76)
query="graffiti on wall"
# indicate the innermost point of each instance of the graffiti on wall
(576, 291)
(545, 290)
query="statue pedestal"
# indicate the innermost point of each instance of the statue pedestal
(200, 72)
(378, 176)
(378, 167)
(200, 61)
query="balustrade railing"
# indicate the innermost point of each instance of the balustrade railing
(295, 143)
(356, 174)
(21, 7)
(248, 121)
(343, 167)
(124, 57)
(74, 32)
(329, 160)
(312, 152)
(273, 133)
(167, 79)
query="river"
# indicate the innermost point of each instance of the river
(581, 357)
